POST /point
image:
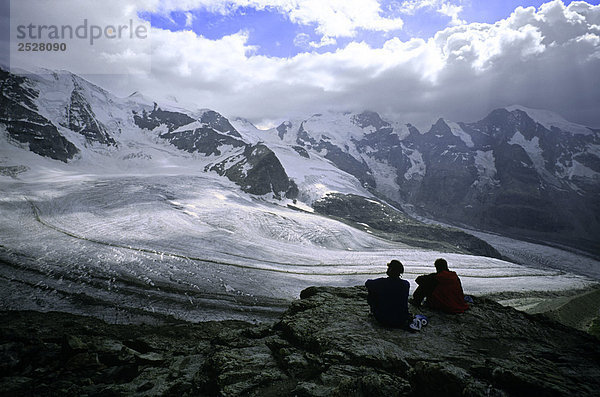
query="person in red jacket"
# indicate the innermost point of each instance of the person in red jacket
(442, 289)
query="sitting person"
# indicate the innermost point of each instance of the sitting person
(388, 297)
(442, 289)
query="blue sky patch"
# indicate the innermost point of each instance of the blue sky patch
(273, 34)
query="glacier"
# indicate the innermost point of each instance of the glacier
(134, 228)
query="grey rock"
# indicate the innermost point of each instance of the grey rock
(156, 117)
(515, 196)
(393, 224)
(13, 171)
(257, 170)
(219, 123)
(205, 140)
(325, 344)
(80, 117)
(23, 122)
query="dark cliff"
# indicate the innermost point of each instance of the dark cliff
(325, 344)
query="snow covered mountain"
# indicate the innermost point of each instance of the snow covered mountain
(63, 117)
(532, 176)
(518, 171)
(127, 207)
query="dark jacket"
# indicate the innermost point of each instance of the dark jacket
(388, 298)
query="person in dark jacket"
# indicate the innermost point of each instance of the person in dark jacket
(442, 289)
(388, 297)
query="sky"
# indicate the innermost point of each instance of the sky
(272, 60)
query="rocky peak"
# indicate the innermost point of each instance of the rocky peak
(503, 124)
(156, 117)
(441, 127)
(17, 89)
(203, 140)
(80, 118)
(219, 123)
(304, 139)
(283, 128)
(440, 138)
(370, 119)
(19, 113)
(257, 170)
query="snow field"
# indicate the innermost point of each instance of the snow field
(192, 247)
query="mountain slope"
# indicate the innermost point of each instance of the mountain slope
(64, 117)
(160, 210)
(507, 172)
(521, 172)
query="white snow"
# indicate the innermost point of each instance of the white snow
(385, 177)
(580, 170)
(417, 168)
(531, 147)
(189, 127)
(315, 176)
(400, 129)
(486, 167)
(143, 227)
(459, 132)
(197, 234)
(550, 119)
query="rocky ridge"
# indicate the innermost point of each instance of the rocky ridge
(89, 120)
(507, 172)
(385, 221)
(325, 344)
(81, 116)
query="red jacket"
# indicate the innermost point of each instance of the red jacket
(448, 295)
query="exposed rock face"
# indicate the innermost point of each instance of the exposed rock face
(337, 155)
(533, 189)
(283, 128)
(156, 117)
(392, 224)
(258, 171)
(524, 189)
(203, 140)
(505, 172)
(326, 344)
(219, 123)
(371, 119)
(255, 168)
(19, 113)
(81, 118)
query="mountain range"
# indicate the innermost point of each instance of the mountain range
(520, 172)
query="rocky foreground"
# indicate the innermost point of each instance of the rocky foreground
(324, 345)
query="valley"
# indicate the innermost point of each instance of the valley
(145, 248)
(132, 211)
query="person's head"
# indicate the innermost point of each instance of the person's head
(395, 268)
(441, 265)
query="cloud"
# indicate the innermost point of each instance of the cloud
(189, 19)
(302, 40)
(460, 73)
(333, 18)
(324, 42)
(444, 7)
(98, 37)
(540, 58)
